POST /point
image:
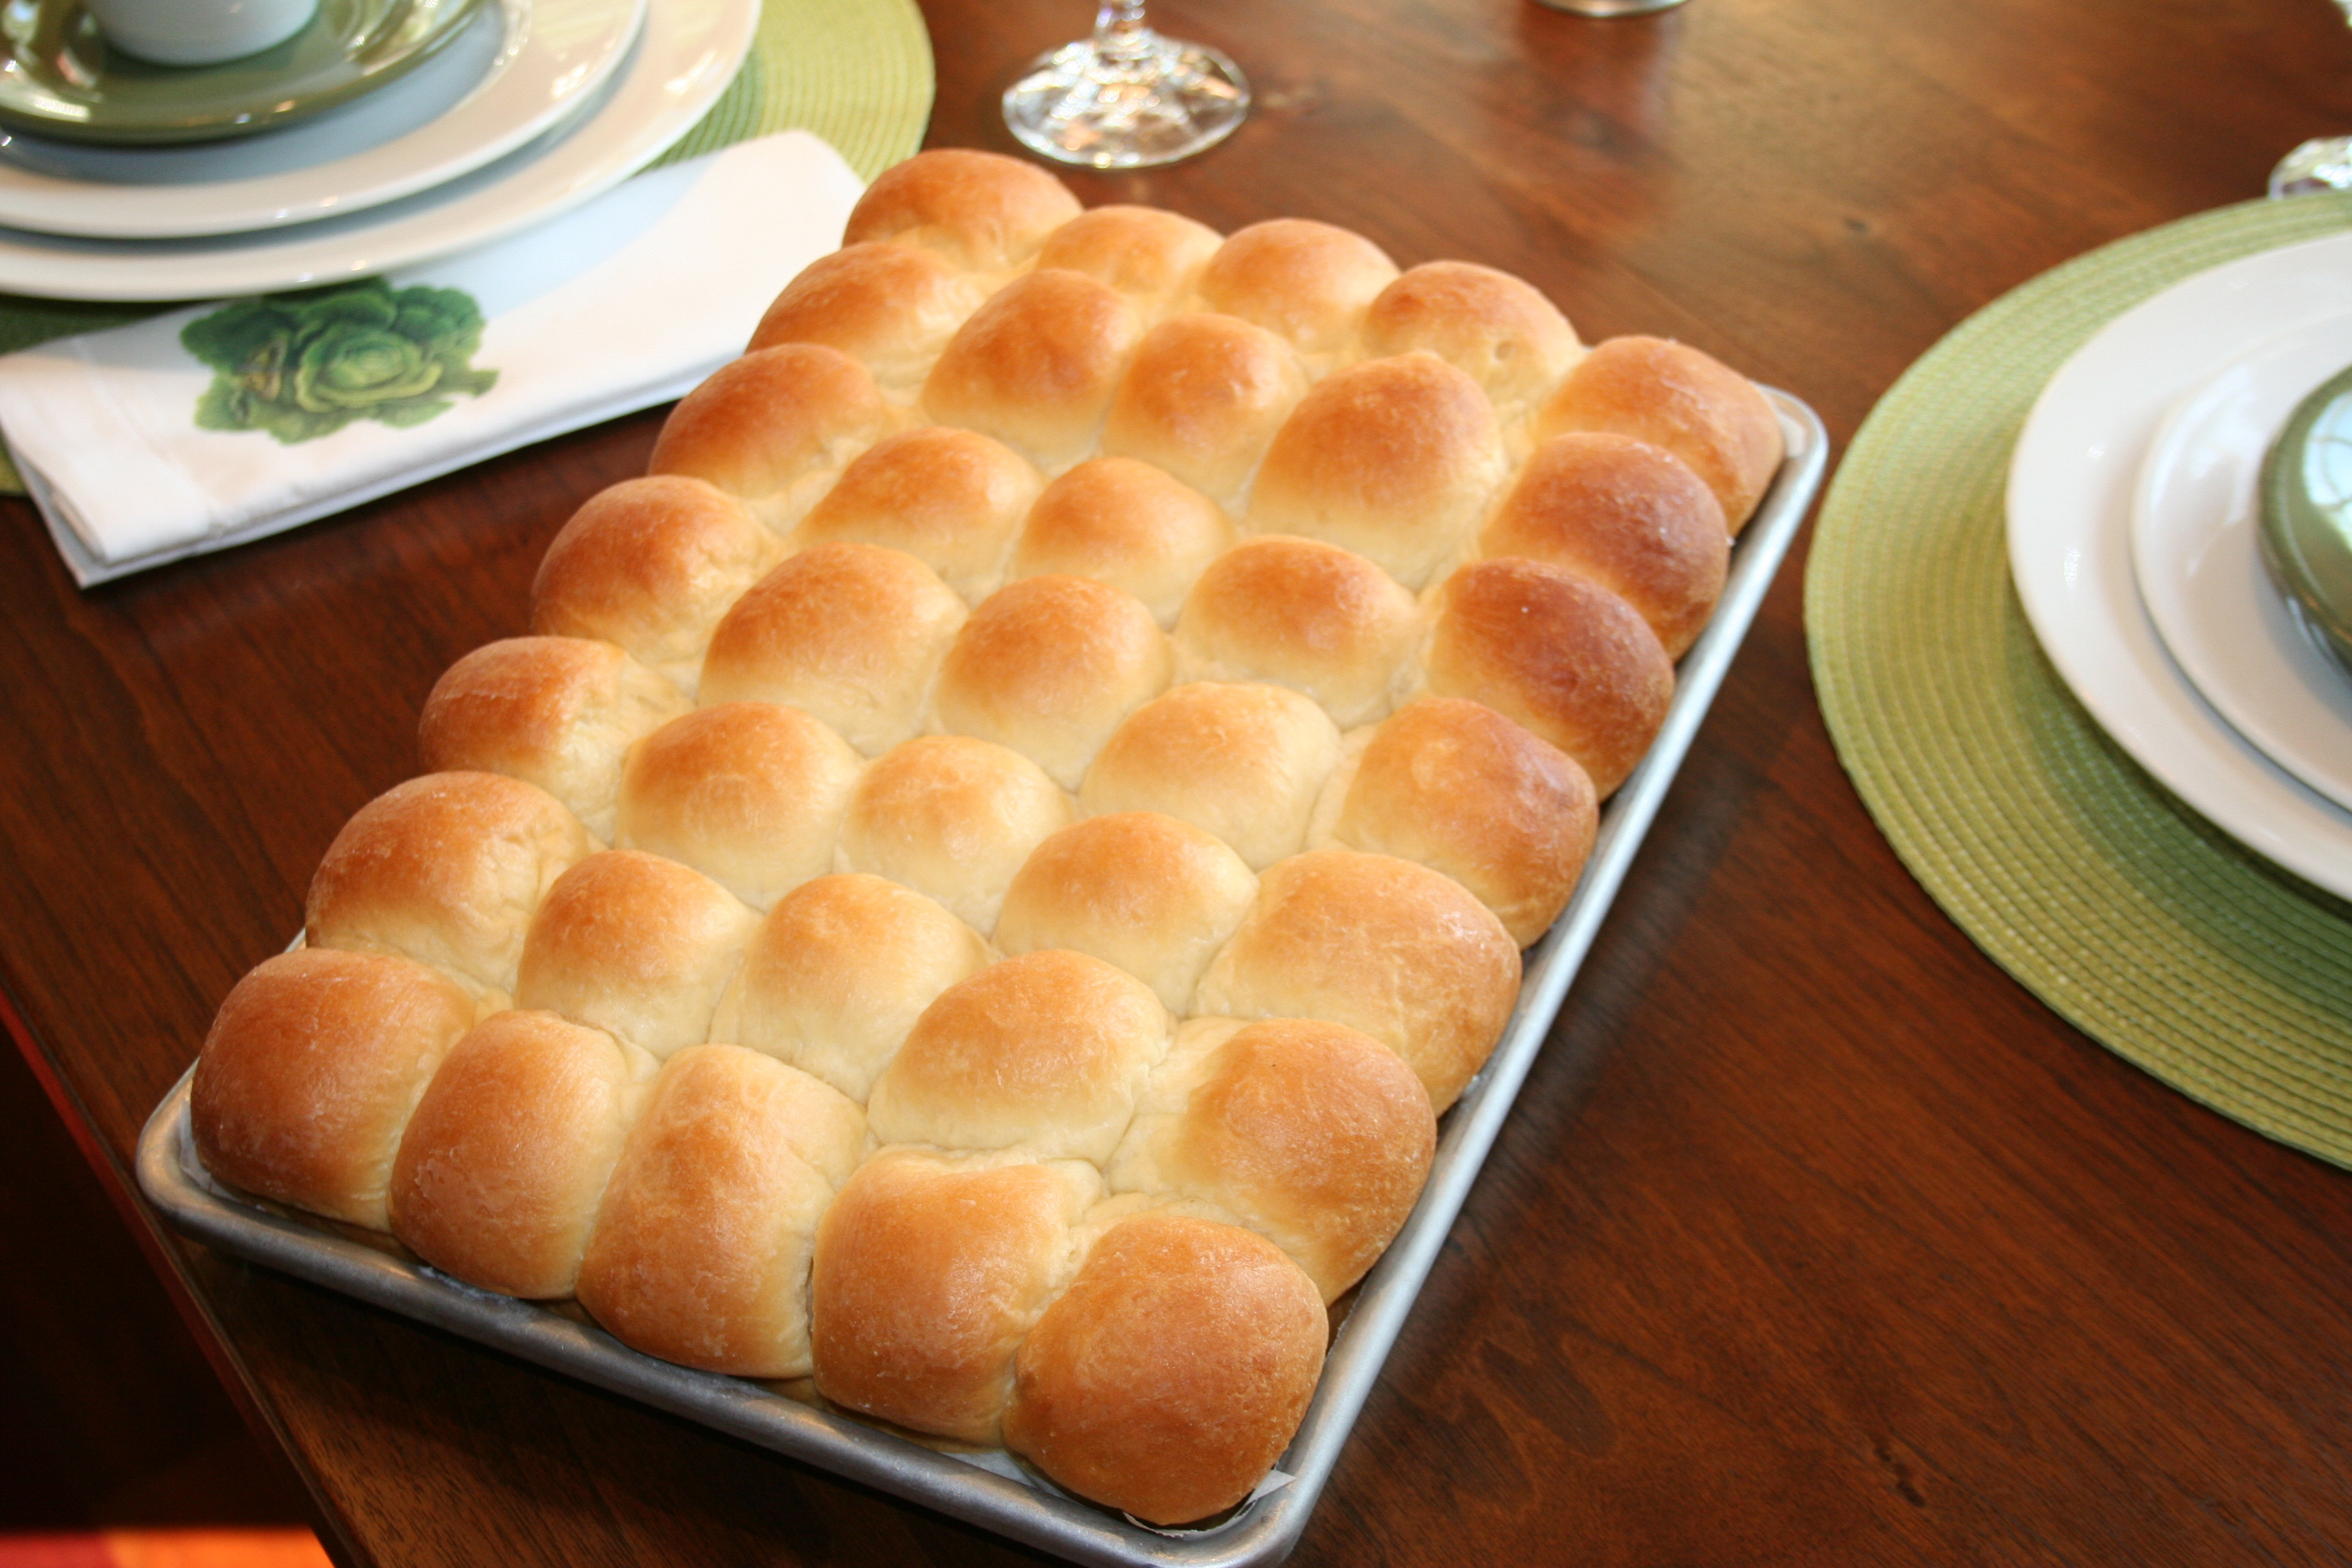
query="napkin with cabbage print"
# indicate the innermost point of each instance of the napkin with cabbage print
(202, 428)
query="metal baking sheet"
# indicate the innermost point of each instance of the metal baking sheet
(995, 1491)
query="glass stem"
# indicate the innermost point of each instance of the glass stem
(1122, 35)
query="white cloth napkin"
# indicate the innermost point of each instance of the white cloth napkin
(625, 303)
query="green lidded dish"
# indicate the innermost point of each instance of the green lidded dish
(59, 76)
(2306, 499)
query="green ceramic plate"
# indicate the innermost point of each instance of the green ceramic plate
(2307, 514)
(58, 77)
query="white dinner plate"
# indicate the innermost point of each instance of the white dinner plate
(2071, 484)
(520, 67)
(683, 59)
(2197, 553)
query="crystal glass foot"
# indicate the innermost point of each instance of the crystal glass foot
(1125, 98)
(2324, 163)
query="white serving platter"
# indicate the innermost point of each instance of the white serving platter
(682, 60)
(519, 67)
(2196, 553)
(2072, 480)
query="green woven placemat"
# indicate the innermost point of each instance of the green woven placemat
(856, 72)
(2143, 924)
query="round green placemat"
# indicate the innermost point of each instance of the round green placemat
(2143, 924)
(856, 72)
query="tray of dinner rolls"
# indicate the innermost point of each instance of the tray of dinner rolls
(984, 930)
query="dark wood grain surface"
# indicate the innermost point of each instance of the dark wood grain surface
(1813, 1239)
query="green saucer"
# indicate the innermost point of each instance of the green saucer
(59, 76)
(2307, 514)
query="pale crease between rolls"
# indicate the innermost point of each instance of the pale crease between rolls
(1064, 710)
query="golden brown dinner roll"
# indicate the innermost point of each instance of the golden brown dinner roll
(1049, 666)
(1316, 1136)
(769, 429)
(1395, 950)
(750, 794)
(558, 713)
(1673, 395)
(981, 210)
(851, 633)
(1148, 254)
(312, 1070)
(700, 1252)
(953, 818)
(1202, 398)
(889, 307)
(635, 945)
(1630, 516)
(929, 1270)
(446, 869)
(1302, 614)
(1461, 789)
(1499, 329)
(1155, 896)
(953, 498)
(1169, 1377)
(1394, 459)
(1564, 657)
(651, 564)
(499, 1177)
(1045, 1052)
(1035, 365)
(1242, 759)
(837, 974)
(1309, 282)
(1125, 523)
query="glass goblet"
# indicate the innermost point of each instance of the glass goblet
(2322, 164)
(1125, 98)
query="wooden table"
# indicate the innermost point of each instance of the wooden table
(1813, 1239)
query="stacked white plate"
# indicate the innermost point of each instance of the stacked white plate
(537, 106)
(2134, 541)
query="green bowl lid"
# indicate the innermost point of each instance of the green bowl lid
(2306, 533)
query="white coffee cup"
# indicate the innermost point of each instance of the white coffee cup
(199, 32)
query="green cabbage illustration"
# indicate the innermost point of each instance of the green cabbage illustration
(305, 365)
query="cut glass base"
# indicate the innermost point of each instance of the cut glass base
(1166, 101)
(2324, 163)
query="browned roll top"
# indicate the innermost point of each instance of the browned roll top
(558, 713)
(1394, 950)
(1395, 459)
(651, 564)
(1305, 281)
(951, 499)
(764, 426)
(1673, 395)
(446, 869)
(1036, 366)
(1459, 788)
(504, 1164)
(1497, 329)
(889, 307)
(1627, 515)
(311, 1072)
(1202, 398)
(929, 1270)
(981, 210)
(1169, 1377)
(1566, 657)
